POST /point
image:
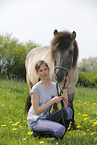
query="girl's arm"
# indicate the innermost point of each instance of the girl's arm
(39, 109)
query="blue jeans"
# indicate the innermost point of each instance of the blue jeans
(53, 124)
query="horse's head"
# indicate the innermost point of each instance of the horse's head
(64, 51)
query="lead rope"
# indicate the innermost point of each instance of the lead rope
(59, 94)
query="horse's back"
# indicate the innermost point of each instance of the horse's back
(36, 54)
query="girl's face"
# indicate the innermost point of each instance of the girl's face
(43, 72)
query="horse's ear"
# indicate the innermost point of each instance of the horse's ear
(55, 32)
(73, 35)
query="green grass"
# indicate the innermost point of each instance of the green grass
(13, 122)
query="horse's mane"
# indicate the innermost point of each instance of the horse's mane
(62, 41)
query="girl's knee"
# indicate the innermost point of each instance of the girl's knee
(60, 131)
(69, 112)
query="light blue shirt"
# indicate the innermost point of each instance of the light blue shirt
(45, 95)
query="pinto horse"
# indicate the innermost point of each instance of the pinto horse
(61, 56)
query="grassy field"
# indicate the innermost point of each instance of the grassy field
(13, 122)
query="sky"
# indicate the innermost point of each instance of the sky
(36, 20)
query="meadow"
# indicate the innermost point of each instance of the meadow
(13, 120)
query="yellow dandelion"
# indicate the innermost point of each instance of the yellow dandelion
(81, 131)
(77, 130)
(3, 125)
(86, 118)
(10, 122)
(9, 90)
(85, 103)
(95, 123)
(92, 133)
(68, 128)
(41, 142)
(20, 126)
(85, 115)
(95, 132)
(10, 105)
(24, 121)
(78, 126)
(73, 130)
(84, 133)
(94, 103)
(70, 122)
(3, 105)
(88, 129)
(24, 92)
(29, 133)
(14, 129)
(17, 122)
(14, 86)
(14, 124)
(78, 113)
(78, 100)
(24, 139)
(95, 138)
(56, 143)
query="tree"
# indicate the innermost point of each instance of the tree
(13, 55)
(88, 65)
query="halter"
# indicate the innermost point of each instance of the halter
(61, 91)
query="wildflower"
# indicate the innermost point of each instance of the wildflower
(9, 90)
(78, 100)
(41, 142)
(10, 105)
(14, 86)
(78, 126)
(3, 125)
(88, 129)
(95, 138)
(78, 113)
(70, 122)
(92, 133)
(85, 115)
(94, 103)
(2, 86)
(14, 129)
(29, 133)
(17, 122)
(24, 139)
(85, 103)
(10, 122)
(84, 133)
(24, 121)
(86, 118)
(24, 92)
(56, 143)
(95, 123)
(3, 105)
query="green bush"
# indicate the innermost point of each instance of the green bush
(87, 79)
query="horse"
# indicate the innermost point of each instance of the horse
(61, 56)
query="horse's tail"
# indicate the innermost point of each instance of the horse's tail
(28, 103)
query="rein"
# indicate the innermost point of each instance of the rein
(61, 91)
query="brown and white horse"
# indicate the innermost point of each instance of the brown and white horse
(61, 56)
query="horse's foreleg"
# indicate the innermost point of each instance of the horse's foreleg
(70, 104)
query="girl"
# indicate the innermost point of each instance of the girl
(43, 96)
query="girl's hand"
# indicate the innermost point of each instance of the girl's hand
(68, 80)
(57, 99)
